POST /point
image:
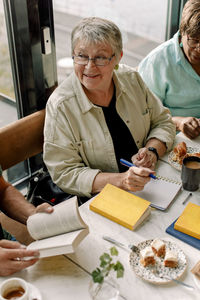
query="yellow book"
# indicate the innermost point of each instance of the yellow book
(189, 220)
(120, 206)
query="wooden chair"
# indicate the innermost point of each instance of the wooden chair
(20, 140)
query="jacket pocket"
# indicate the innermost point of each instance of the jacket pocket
(87, 152)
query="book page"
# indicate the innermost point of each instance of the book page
(60, 244)
(159, 192)
(65, 218)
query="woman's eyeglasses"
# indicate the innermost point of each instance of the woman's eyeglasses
(98, 61)
(193, 43)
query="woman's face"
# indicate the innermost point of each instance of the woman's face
(91, 76)
(191, 49)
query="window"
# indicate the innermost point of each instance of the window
(142, 22)
(34, 72)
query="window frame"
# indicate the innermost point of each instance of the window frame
(174, 12)
(34, 72)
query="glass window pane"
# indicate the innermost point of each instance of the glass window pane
(6, 81)
(8, 110)
(142, 22)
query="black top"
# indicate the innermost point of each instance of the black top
(124, 144)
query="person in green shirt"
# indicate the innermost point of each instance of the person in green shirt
(172, 72)
(14, 205)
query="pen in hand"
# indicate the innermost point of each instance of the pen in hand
(129, 164)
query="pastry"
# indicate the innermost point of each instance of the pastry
(179, 152)
(147, 257)
(171, 259)
(158, 247)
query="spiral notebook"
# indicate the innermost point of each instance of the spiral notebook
(160, 192)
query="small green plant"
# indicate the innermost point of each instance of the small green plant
(106, 265)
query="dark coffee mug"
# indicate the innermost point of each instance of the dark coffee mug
(190, 173)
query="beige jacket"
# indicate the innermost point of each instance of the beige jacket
(77, 142)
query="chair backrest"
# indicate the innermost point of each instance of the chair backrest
(21, 139)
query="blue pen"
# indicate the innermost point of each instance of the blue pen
(129, 164)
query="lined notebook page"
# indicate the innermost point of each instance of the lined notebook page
(160, 192)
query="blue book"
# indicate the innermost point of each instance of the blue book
(183, 236)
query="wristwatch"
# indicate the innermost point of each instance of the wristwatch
(154, 151)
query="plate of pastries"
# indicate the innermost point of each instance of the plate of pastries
(158, 261)
(179, 152)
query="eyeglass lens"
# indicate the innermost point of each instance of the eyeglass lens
(98, 61)
(193, 43)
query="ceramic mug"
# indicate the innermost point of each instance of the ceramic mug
(190, 173)
(14, 288)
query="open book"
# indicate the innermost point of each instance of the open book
(120, 206)
(59, 232)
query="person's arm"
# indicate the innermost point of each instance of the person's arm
(12, 256)
(190, 126)
(14, 205)
(161, 131)
(132, 180)
(148, 158)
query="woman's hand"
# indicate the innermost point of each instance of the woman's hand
(145, 158)
(12, 256)
(135, 178)
(190, 126)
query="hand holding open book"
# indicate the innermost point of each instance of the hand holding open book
(59, 232)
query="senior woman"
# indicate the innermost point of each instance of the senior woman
(172, 72)
(103, 112)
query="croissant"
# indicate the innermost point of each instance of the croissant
(180, 152)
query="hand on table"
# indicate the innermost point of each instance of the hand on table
(190, 126)
(145, 158)
(11, 257)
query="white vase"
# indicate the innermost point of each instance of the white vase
(107, 290)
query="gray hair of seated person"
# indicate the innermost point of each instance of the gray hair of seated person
(190, 20)
(96, 30)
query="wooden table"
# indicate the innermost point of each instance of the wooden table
(57, 278)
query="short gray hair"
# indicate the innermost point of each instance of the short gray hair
(95, 30)
(190, 21)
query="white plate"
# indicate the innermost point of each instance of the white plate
(148, 273)
(175, 164)
(34, 292)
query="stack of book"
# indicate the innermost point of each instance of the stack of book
(187, 226)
